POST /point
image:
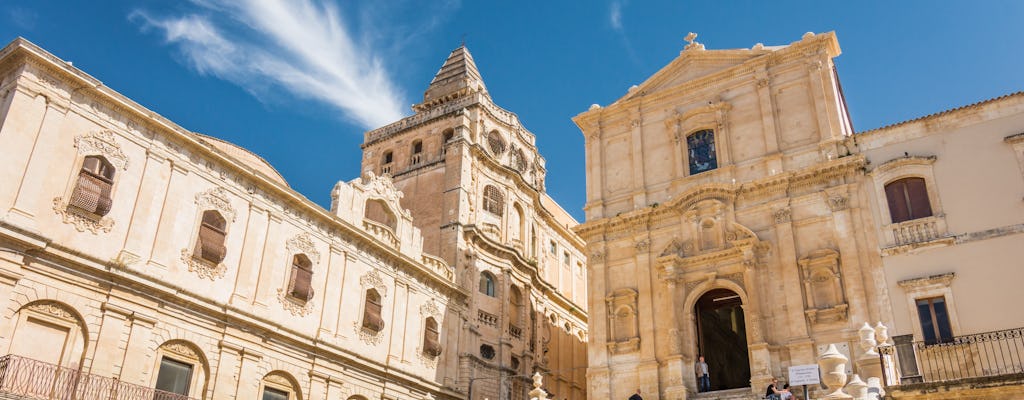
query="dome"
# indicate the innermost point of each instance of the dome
(243, 156)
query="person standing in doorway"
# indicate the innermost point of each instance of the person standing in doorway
(636, 396)
(703, 379)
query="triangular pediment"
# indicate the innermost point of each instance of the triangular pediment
(695, 64)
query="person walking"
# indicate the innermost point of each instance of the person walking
(703, 379)
(636, 396)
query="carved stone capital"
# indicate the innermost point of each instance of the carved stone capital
(782, 215)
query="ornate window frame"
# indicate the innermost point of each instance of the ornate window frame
(619, 343)
(299, 244)
(102, 144)
(713, 117)
(916, 233)
(60, 315)
(370, 280)
(1017, 143)
(930, 287)
(429, 309)
(216, 199)
(277, 380)
(185, 352)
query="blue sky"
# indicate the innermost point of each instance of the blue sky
(299, 81)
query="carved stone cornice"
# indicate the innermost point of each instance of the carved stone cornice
(216, 199)
(294, 306)
(203, 268)
(303, 244)
(942, 280)
(900, 163)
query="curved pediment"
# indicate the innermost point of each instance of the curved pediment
(710, 231)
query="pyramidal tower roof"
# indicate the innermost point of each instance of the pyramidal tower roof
(456, 78)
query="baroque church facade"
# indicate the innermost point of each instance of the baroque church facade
(141, 260)
(734, 214)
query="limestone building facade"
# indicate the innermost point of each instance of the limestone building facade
(136, 255)
(473, 182)
(727, 216)
(951, 249)
(730, 191)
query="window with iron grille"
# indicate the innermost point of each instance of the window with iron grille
(431, 338)
(700, 150)
(301, 279)
(372, 319)
(210, 243)
(494, 201)
(93, 188)
(908, 199)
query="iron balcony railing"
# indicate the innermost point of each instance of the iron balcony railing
(950, 359)
(33, 379)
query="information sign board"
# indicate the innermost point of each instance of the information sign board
(803, 375)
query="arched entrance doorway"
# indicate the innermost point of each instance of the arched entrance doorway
(722, 339)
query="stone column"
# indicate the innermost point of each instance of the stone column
(846, 239)
(639, 182)
(108, 355)
(317, 385)
(152, 192)
(796, 337)
(30, 197)
(226, 379)
(336, 263)
(138, 352)
(767, 106)
(248, 375)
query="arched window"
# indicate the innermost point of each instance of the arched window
(908, 199)
(417, 152)
(494, 201)
(516, 227)
(487, 284)
(515, 299)
(386, 162)
(431, 338)
(95, 182)
(280, 385)
(372, 319)
(495, 143)
(379, 212)
(518, 161)
(700, 150)
(182, 370)
(210, 243)
(301, 279)
(447, 135)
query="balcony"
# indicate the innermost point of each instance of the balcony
(487, 318)
(987, 357)
(416, 159)
(31, 379)
(916, 233)
(384, 233)
(515, 331)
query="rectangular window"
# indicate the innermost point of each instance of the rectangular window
(934, 320)
(174, 376)
(554, 247)
(565, 258)
(274, 394)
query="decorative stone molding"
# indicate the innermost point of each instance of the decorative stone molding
(204, 269)
(303, 243)
(54, 309)
(181, 349)
(216, 199)
(823, 285)
(427, 360)
(430, 309)
(368, 336)
(623, 324)
(929, 282)
(292, 305)
(596, 257)
(782, 215)
(373, 280)
(382, 187)
(642, 245)
(81, 221)
(102, 143)
(838, 203)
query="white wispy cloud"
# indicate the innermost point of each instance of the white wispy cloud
(615, 15)
(303, 46)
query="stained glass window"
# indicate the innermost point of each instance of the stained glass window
(700, 147)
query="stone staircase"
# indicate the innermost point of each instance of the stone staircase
(731, 394)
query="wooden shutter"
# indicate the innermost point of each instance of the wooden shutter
(895, 193)
(210, 245)
(431, 342)
(917, 193)
(300, 283)
(372, 315)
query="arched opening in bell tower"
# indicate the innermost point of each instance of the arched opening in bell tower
(722, 339)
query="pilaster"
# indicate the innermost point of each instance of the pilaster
(29, 192)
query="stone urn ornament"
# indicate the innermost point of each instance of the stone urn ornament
(858, 389)
(832, 364)
(537, 393)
